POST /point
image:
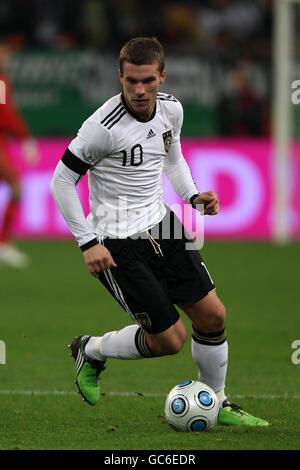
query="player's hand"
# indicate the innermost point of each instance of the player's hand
(210, 201)
(97, 258)
(30, 151)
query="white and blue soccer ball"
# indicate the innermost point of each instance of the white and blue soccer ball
(192, 406)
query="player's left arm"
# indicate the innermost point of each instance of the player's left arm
(209, 200)
(179, 174)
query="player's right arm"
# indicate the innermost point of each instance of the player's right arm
(82, 153)
(98, 258)
(63, 188)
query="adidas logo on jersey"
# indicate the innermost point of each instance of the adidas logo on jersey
(151, 133)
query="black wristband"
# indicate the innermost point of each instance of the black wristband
(192, 200)
(89, 244)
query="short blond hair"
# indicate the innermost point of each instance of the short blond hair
(143, 51)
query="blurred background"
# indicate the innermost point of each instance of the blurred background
(219, 62)
(67, 55)
(233, 65)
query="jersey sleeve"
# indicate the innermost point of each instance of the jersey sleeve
(175, 166)
(178, 173)
(63, 189)
(178, 121)
(92, 143)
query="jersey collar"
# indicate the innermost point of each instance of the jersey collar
(135, 116)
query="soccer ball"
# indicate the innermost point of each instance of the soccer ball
(192, 406)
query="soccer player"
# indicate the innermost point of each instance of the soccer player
(11, 123)
(130, 238)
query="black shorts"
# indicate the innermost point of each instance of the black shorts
(149, 279)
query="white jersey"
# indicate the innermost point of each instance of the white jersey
(126, 157)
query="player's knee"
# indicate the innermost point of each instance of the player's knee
(213, 319)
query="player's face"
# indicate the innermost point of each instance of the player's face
(140, 86)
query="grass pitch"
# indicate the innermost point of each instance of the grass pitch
(44, 306)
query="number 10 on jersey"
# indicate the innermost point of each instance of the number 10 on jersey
(135, 158)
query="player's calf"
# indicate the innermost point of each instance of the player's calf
(168, 342)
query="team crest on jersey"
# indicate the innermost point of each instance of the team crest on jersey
(167, 136)
(143, 319)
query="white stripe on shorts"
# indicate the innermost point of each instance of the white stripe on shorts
(117, 291)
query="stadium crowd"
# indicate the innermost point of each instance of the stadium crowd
(228, 28)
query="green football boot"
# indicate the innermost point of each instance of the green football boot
(233, 415)
(88, 371)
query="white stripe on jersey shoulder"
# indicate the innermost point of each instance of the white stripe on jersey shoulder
(166, 97)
